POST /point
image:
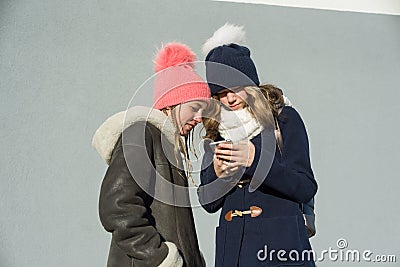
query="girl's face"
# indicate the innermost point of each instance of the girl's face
(188, 115)
(233, 99)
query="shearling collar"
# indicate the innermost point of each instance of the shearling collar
(108, 133)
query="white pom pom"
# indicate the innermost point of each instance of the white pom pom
(227, 34)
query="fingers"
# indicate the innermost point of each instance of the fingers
(233, 166)
(232, 147)
(223, 154)
(229, 171)
(240, 154)
(237, 161)
(232, 156)
(238, 149)
(225, 158)
(231, 152)
(229, 166)
(220, 163)
(225, 146)
(224, 164)
(225, 168)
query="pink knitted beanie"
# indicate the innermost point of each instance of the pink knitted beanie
(176, 81)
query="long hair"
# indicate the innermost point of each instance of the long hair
(274, 95)
(182, 147)
(262, 101)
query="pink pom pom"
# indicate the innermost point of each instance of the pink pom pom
(173, 54)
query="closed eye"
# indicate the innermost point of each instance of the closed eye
(195, 108)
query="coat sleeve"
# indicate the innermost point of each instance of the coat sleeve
(122, 203)
(291, 173)
(210, 192)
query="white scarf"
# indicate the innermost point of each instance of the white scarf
(238, 125)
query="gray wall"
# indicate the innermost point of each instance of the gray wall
(67, 65)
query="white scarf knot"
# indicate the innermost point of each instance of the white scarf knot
(238, 125)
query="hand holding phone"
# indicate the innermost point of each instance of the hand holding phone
(214, 144)
(238, 154)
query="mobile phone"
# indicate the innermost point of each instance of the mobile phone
(214, 144)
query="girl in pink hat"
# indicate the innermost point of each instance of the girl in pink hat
(144, 202)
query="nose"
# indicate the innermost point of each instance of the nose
(231, 97)
(198, 117)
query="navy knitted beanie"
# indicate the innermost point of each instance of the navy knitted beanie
(228, 64)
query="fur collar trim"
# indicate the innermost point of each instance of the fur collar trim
(173, 259)
(108, 133)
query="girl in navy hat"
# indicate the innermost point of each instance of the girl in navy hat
(262, 173)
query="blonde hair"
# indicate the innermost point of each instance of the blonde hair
(181, 146)
(274, 95)
(263, 102)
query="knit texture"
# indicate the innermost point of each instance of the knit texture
(238, 125)
(229, 64)
(176, 81)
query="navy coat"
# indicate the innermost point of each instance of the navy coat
(247, 241)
